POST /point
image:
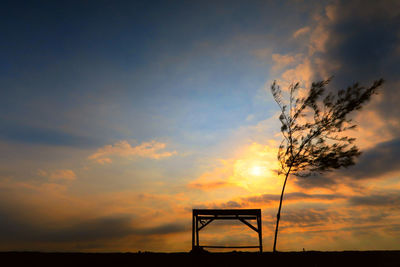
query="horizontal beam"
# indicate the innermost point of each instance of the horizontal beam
(225, 218)
(230, 246)
(226, 211)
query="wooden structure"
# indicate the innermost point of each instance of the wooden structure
(203, 217)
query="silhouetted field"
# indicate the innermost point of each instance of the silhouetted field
(312, 258)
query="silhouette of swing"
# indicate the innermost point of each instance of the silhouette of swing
(206, 216)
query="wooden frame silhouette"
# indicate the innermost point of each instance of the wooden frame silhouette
(206, 216)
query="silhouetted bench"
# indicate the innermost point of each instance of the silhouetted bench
(206, 216)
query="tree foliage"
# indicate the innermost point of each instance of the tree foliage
(314, 128)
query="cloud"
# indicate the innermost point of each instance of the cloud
(376, 162)
(104, 229)
(292, 68)
(266, 198)
(209, 185)
(16, 227)
(28, 134)
(64, 174)
(149, 150)
(355, 41)
(301, 31)
(46, 219)
(326, 180)
(383, 199)
(263, 53)
(165, 229)
(361, 43)
(307, 217)
(303, 73)
(281, 60)
(231, 204)
(379, 160)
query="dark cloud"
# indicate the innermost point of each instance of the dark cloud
(266, 198)
(388, 199)
(347, 218)
(363, 45)
(364, 41)
(96, 229)
(307, 217)
(14, 228)
(393, 229)
(317, 180)
(379, 160)
(162, 229)
(353, 219)
(231, 204)
(23, 133)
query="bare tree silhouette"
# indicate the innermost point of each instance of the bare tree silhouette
(313, 129)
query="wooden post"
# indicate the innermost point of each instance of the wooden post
(193, 231)
(197, 231)
(259, 226)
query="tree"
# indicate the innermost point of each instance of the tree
(314, 128)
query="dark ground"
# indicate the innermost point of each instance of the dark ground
(312, 258)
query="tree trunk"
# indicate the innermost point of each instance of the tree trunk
(278, 216)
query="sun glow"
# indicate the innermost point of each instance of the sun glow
(252, 168)
(256, 170)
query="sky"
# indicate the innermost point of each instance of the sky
(117, 118)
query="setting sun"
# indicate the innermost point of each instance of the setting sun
(256, 170)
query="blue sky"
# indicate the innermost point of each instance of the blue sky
(104, 69)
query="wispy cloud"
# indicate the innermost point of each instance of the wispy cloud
(281, 60)
(382, 199)
(151, 150)
(63, 174)
(209, 185)
(270, 200)
(295, 196)
(301, 31)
